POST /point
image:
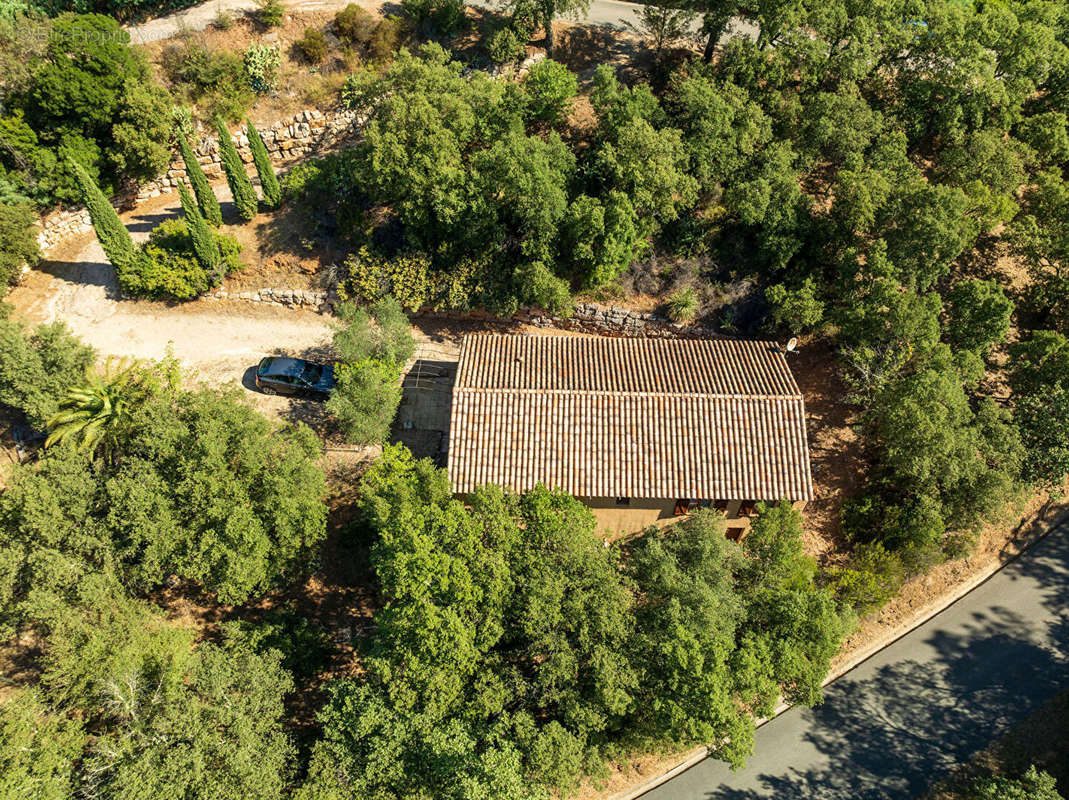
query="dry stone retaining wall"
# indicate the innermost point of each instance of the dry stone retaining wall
(308, 133)
(587, 318)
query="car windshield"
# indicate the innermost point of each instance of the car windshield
(312, 373)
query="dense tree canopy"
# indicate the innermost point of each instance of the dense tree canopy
(167, 718)
(373, 346)
(37, 367)
(513, 649)
(87, 96)
(201, 487)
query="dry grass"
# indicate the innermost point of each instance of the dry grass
(300, 85)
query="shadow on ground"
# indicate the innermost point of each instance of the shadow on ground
(892, 734)
(422, 421)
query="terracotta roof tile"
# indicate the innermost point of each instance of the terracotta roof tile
(607, 417)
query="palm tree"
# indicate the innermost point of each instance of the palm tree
(96, 412)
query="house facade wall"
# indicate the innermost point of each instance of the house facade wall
(615, 520)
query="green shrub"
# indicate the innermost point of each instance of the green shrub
(167, 267)
(385, 39)
(37, 368)
(505, 46)
(39, 747)
(313, 45)
(379, 38)
(365, 400)
(599, 240)
(223, 20)
(405, 277)
(84, 94)
(270, 13)
(438, 17)
(181, 123)
(261, 65)
(354, 25)
(373, 347)
(305, 646)
(217, 82)
(550, 87)
(536, 285)
(871, 578)
(18, 241)
(1032, 785)
(797, 310)
(303, 180)
(683, 305)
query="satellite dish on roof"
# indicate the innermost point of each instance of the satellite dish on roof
(792, 345)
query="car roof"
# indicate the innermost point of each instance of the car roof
(292, 367)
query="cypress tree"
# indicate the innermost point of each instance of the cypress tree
(236, 177)
(204, 246)
(268, 182)
(206, 199)
(113, 236)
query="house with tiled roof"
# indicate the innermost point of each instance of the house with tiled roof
(642, 430)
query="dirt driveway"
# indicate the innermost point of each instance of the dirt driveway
(217, 342)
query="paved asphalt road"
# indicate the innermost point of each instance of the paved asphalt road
(906, 716)
(603, 13)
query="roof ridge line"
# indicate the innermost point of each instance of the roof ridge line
(617, 393)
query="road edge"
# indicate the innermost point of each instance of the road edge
(857, 658)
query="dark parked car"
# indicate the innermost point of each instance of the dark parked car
(294, 376)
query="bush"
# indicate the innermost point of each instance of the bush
(978, 315)
(217, 82)
(683, 305)
(167, 267)
(305, 646)
(202, 487)
(438, 17)
(270, 13)
(373, 348)
(354, 25)
(223, 20)
(1032, 785)
(380, 39)
(871, 578)
(181, 123)
(313, 45)
(86, 95)
(37, 368)
(516, 650)
(18, 241)
(385, 39)
(405, 277)
(505, 46)
(797, 310)
(550, 87)
(599, 240)
(261, 65)
(38, 748)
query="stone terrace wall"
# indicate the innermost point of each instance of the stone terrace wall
(308, 133)
(593, 318)
(587, 318)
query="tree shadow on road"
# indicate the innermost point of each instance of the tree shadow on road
(893, 735)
